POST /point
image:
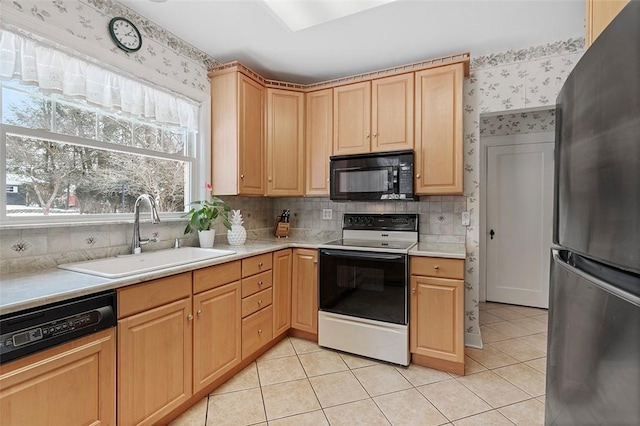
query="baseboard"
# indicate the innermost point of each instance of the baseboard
(473, 340)
(438, 364)
(313, 337)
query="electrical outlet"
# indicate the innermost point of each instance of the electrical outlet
(465, 218)
(327, 214)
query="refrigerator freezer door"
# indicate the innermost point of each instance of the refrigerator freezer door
(593, 357)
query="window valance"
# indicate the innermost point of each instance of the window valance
(52, 70)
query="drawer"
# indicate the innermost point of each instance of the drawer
(142, 297)
(215, 276)
(256, 302)
(256, 264)
(437, 267)
(256, 283)
(257, 331)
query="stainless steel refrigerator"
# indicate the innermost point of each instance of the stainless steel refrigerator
(593, 356)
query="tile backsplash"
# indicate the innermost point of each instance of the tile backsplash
(30, 248)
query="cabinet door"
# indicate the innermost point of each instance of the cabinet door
(225, 174)
(251, 137)
(599, 13)
(285, 143)
(438, 159)
(71, 384)
(392, 113)
(154, 362)
(436, 318)
(216, 333)
(304, 291)
(319, 141)
(352, 118)
(282, 263)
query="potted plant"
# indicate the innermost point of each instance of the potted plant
(203, 215)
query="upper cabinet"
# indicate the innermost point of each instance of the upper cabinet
(374, 116)
(392, 113)
(318, 141)
(237, 134)
(599, 13)
(352, 119)
(285, 143)
(438, 151)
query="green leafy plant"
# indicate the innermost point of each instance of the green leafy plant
(204, 213)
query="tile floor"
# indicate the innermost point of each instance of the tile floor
(299, 383)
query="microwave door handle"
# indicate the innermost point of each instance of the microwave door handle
(362, 255)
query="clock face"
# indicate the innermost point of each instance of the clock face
(125, 34)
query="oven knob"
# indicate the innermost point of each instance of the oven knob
(349, 221)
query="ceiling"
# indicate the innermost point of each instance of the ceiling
(390, 34)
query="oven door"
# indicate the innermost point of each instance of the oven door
(364, 183)
(364, 284)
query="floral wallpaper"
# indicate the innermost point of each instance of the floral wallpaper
(88, 20)
(506, 81)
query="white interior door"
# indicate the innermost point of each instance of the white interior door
(519, 223)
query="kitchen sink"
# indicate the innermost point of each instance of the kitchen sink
(118, 267)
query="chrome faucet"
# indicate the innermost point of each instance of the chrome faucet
(137, 241)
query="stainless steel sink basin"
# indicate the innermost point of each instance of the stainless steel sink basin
(118, 267)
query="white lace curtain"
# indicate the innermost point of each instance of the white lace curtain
(53, 70)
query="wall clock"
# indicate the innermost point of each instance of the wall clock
(125, 35)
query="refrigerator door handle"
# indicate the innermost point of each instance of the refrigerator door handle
(619, 292)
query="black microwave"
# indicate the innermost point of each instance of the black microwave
(369, 177)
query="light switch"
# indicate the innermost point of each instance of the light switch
(465, 218)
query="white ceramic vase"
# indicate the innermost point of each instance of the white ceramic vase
(207, 238)
(237, 235)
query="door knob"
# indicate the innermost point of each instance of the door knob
(189, 317)
(366, 136)
(492, 234)
(241, 176)
(418, 176)
(199, 312)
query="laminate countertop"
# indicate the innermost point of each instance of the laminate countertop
(25, 290)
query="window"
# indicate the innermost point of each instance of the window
(65, 158)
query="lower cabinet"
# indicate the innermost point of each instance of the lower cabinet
(437, 313)
(304, 291)
(70, 384)
(282, 264)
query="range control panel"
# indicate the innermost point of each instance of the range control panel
(380, 221)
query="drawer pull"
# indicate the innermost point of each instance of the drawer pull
(260, 264)
(199, 312)
(259, 302)
(260, 332)
(260, 283)
(436, 267)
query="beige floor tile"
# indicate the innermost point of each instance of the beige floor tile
(531, 324)
(542, 318)
(490, 335)
(541, 399)
(517, 349)
(337, 388)
(323, 362)
(381, 379)
(314, 418)
(236, 408)
(356, 413)
(506, 313)
(486, 317)
(472, 367)
(409, 407)
(282, 349)
(539, 364)
(526, 378)
(493, 389)
(538, 341)
(527, 413)
(303, 346)
(278, 370)
(454, 400)
(509, 329)
(489, 418)
(490, 357)
(355, 361)
(289, 398)
(418, 375)
(528, 311)
(194, 416)
(485, 306)
(246, 379)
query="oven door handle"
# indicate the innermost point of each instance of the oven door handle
(391, 257)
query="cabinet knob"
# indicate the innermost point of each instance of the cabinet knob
(270, 179)
(418, 176)
(260, 283)
(375, 135)
(260, 332)
(199, 312)
(366, 136)
(315, 262)
(413, 290)
(259, 302)
(260, 265)
(189, 317)
(436, 267)
(241, 176)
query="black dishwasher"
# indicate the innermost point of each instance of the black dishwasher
(32, 330)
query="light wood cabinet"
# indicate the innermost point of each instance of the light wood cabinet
(304, 291)
(155, 351)
(285, 143)
(257, 300)
(437, 313)
(70, 384)
(439, 145)
(217, 323)
(352, 119)
(318, 141)
(282, 264)
(237, 134)
(599, 13)
(392, 113)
